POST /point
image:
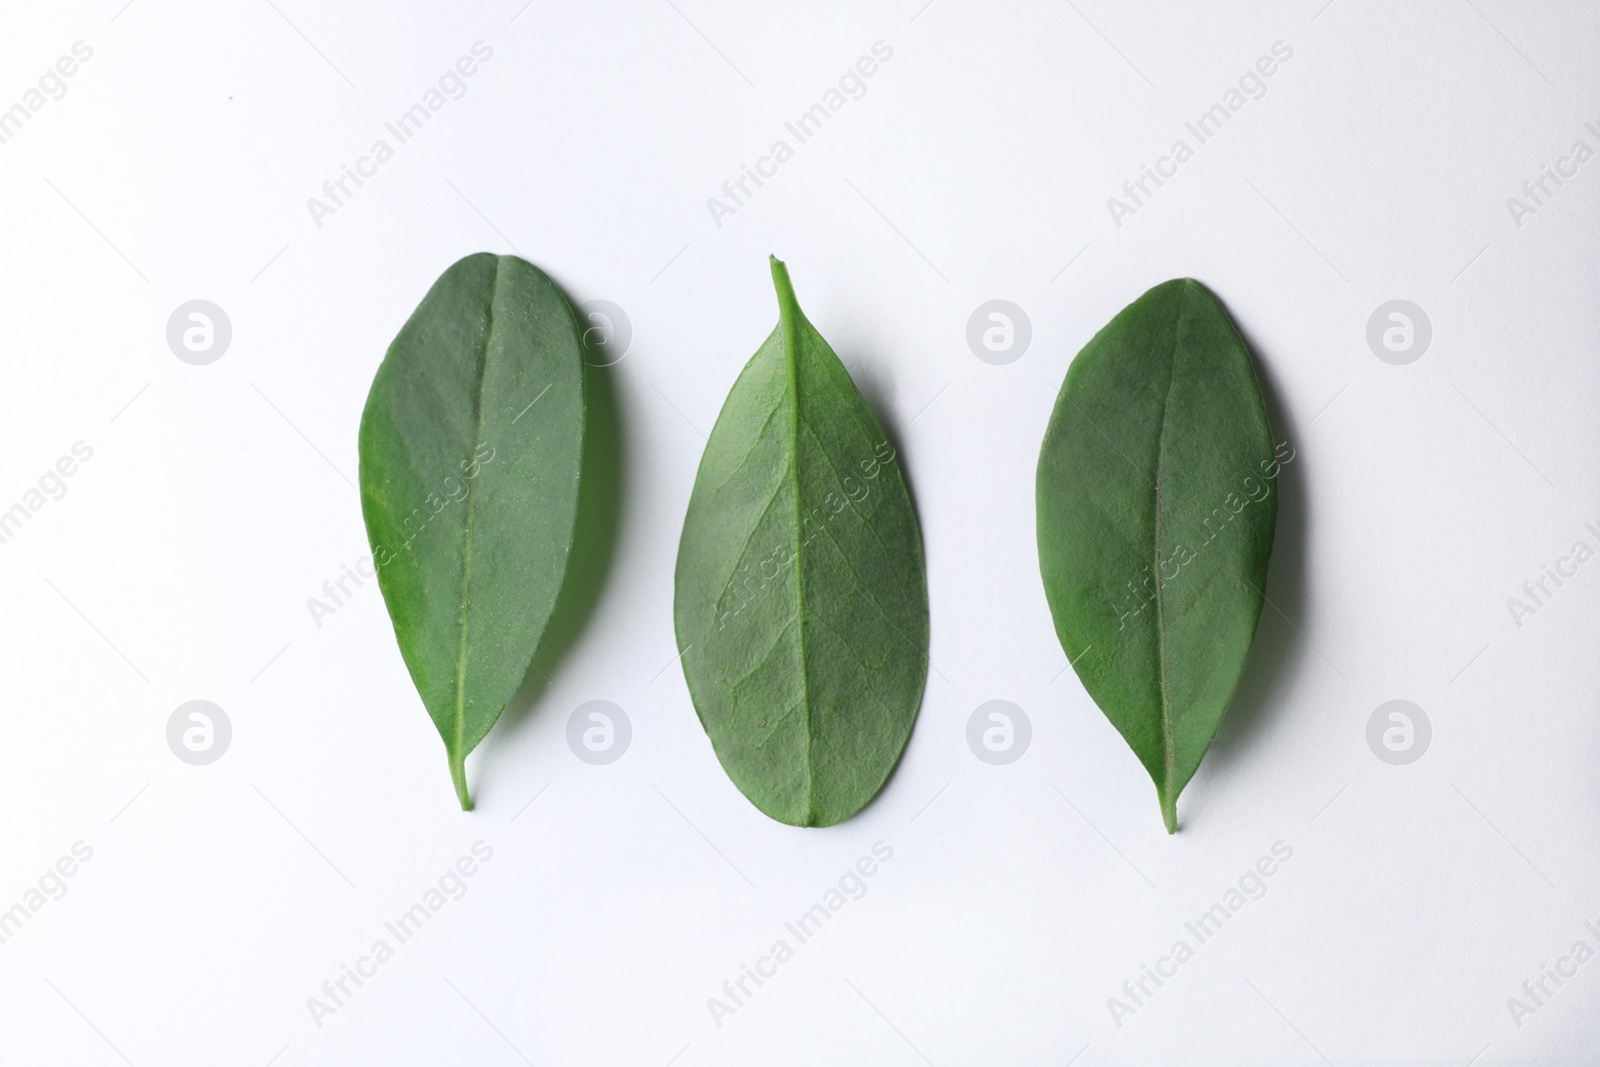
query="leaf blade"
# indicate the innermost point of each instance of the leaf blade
(470, 443)
(1158, 432)
(800, 599)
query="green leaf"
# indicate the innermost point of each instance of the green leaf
(1156, 507)
(802, 608)
(471, 443)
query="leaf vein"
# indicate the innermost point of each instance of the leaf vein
(761, 661)
(1169, 753)
(472, 523)
(727, 585)
(852, 504)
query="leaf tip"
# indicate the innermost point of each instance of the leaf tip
(780, 273)
(458, 777)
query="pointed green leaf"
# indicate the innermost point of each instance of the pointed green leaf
(802, 608)
(470, 448)
(1156, 507)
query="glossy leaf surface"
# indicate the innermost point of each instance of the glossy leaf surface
(471, 444)
(1156, 505)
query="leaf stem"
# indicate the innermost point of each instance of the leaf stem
(458, 775)
(1169, 811)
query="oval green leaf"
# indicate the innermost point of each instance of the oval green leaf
(801, 603)
(471, 443)
(1156, 509)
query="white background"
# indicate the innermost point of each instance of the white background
(977, 166)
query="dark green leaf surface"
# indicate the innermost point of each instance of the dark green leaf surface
(802, 608)
(470, 449)
(1157, 500)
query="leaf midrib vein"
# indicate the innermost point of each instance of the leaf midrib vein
(1169, 748)
(472, 525)
(788, 318)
